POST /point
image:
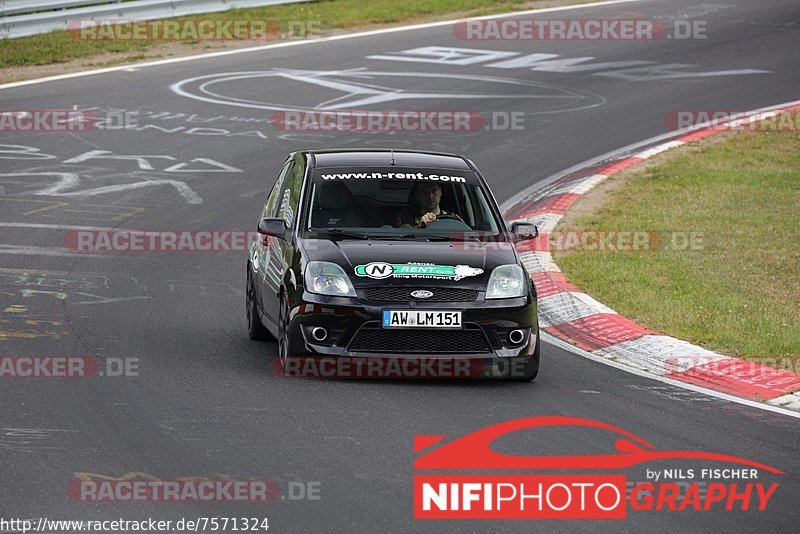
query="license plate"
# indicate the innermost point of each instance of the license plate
(421, 319)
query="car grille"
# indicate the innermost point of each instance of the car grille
(403, 294)
(415, 341)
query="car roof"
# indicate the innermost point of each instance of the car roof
(382, 157)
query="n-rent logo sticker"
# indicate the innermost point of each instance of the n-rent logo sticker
(379, 270)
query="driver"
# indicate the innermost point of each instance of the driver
(425, 198)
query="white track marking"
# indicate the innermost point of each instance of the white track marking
(287, 44)
(68, 180)
(199, 88)
(659, 354)
(58, 295)
(57, 226)
(185, 191)
(104, 300)
(542, 184)
(650, 152)
(579, 186)
(27, 250)
(792, 400)
(552, 340)
(213, 166)
(566, 306)
(538, 262)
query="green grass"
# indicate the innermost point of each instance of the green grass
(740, 294)
(60, 47)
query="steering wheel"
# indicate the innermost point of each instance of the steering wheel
(460, 225)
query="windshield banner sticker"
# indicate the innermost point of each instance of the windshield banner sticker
(379, 269)
(394, 175)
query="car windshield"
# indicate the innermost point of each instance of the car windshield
(397, 203)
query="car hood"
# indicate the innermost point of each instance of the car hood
(463, 264)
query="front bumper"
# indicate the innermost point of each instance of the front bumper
(353, 327)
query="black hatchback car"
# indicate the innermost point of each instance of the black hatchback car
(391, 255)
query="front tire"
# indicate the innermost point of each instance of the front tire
(255, 328)
(284, 335)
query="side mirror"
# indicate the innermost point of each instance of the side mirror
(523, 231)
(273, 226)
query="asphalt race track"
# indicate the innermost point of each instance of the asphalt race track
(206, 402)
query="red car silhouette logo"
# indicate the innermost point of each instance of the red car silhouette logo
(473, 450)
(497, 492)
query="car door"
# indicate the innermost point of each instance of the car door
(283, 251)
(268, 278)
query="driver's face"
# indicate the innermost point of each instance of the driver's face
(428, 196)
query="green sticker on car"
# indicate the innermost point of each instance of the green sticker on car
(379, 270)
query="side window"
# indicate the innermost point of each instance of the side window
(291, 195)
(272, 200)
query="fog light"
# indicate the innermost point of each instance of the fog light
(516, 336)
(319, 333)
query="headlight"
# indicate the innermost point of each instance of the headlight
(326, 278)
(507, 281)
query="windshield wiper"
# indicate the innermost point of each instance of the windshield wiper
(401, 237)
(455, 237)
(397, 237)
(341, 232)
